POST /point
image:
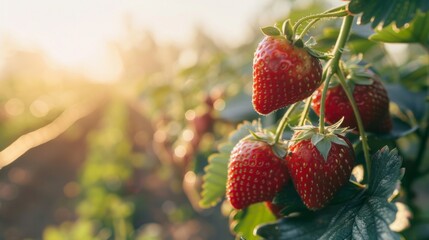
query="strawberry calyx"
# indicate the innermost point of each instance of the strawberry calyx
(322, 141)
(356, 73)
(279, 148)
(286, 31)
(271, 31)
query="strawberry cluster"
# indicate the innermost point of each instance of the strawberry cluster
(317, 162)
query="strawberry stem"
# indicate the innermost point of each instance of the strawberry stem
(341, 42)
(335, 12)
(338, 50)
(282, 125)
(309, 25)
(326, 69)
(322, 103)
(335, 69)
(333, 65)
(363, 137)
(305, 111)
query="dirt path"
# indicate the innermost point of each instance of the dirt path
(32, 188)
(35, 190)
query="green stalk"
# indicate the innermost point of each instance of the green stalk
(314, 21)
(335, 12)
(282, 125)
(338, 50)
(309, 25)
(305, 111)
(365, 146)
(335, 69)
(341, 42)
(322, 104)
(324, 74)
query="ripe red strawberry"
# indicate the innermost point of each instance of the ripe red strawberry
(372, 101)
(282, 74)
(319, 166)
(255, 173)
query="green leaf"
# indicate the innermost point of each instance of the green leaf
(299, 43)
(334, 127)
(338, 140)
(417, 31)
(216, 172)
(316, 138)
(279, 150)
(288, 29)
(317, 54)
(362, 80)
(214, 180)
(348, 192)
(225, 147)
(382, 13)
(303, 227)
(385, 171)
(324, 146)
(366, 219)
(289, 201)
(271, 31)
(245, 221)
(243, 130)
(367, 215)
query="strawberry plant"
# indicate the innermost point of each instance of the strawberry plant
(103, 210)
(337, 164)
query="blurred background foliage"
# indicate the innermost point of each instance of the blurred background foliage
(132, 168)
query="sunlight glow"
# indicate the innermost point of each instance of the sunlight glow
(76, 34)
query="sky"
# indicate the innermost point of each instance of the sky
(75, 33)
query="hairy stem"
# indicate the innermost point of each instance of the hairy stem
(335, 12)
(306, 28)
(282, 125)
(314, 21)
